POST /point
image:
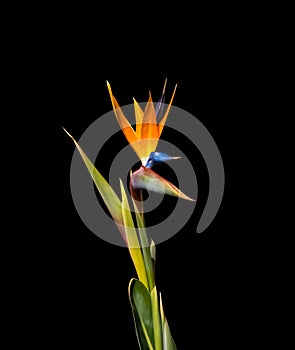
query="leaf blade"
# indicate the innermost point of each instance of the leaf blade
(108, 195)
(132, 239)
(142, 313)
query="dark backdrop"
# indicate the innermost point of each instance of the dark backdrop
(76, 282)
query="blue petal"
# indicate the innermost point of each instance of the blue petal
(158, 157)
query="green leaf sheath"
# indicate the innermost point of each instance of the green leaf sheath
(153, 255)
(156, 319)
(145, 248)
(168, 341)
(142, 313)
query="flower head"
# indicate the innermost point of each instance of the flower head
(144, 140)
(149, 124)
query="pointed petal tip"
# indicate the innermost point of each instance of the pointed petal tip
(159, 157)
(190, 199)
(164, 88)
(184, 196)
(175, 87)
(68, 133)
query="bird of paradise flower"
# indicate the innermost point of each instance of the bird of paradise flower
(144, 140)
(151, 325)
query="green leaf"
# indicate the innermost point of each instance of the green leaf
(168, 342)
(156, 319)
(140, 301)
(132, 239)
(108, 195)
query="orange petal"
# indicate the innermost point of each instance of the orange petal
(141, 149)
(123, 122)
(149, 123)
(138, 117)
(149, 130)
(163, 120)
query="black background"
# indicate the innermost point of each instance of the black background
(201, 277)
(74, 284)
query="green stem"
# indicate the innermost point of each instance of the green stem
(145, 245)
